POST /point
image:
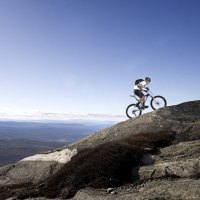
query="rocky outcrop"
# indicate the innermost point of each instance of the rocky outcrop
(163, 148)
(172, 174)
(182, 119)
(178, 161)
(35, 168)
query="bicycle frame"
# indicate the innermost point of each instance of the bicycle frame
(149, 93)
(156, 102)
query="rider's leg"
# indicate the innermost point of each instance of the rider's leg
(142, 101)
(141, 96)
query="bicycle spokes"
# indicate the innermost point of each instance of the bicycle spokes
(133, 111)
(158, 102)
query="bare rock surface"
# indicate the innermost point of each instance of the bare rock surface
(169, 171)
(157, 189)
(182, 119)
(181, 160)
(174, 174)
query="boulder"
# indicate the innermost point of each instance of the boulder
(35, 168)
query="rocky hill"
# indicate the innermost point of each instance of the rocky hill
(154, 156)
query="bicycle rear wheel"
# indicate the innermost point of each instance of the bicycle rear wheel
(133, 111)
(158, 102)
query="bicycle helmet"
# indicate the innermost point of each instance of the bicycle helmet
(147, 79)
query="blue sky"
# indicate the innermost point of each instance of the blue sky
(83, 56)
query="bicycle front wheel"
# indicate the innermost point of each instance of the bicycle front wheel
(133, 111)
(158, 102)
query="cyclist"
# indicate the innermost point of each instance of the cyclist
(140, 85)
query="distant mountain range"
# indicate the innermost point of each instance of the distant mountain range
(22, 139)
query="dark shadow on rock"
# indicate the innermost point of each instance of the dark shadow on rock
(107, 165)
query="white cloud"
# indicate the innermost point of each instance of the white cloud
(38, 115)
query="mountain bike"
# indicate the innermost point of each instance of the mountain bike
(156, 102)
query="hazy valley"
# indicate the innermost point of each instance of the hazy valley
(22, 139)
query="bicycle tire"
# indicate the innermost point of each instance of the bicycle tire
(158, 101)
(131, 108)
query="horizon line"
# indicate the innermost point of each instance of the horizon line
(49, 116)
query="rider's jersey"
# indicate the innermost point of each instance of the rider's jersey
(142, 84)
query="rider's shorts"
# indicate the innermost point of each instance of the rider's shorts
(138, 93)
